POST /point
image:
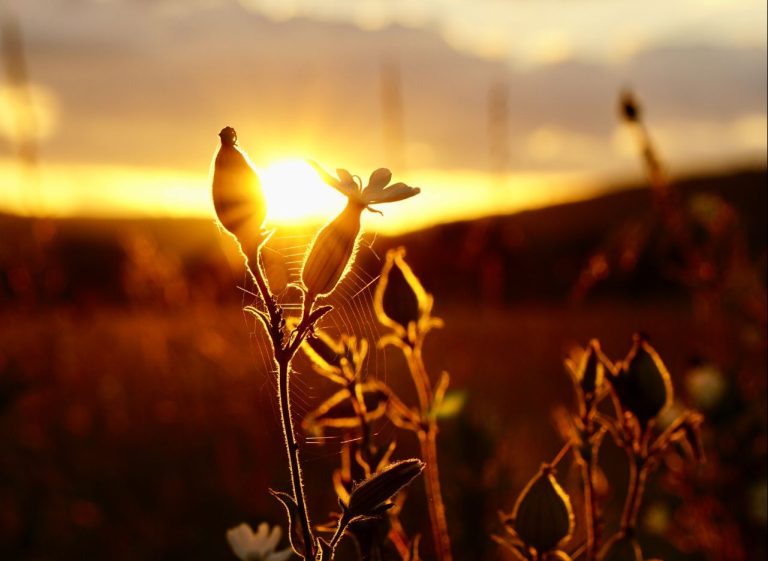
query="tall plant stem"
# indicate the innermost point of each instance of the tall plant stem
(588, 463)
(292, 448)
(428, 443)
(283, 354)
(638, 472)
(590, 507)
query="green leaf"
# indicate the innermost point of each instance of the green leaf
(452, 404)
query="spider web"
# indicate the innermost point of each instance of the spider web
(352, 314)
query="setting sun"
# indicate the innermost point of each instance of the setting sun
(295, 193)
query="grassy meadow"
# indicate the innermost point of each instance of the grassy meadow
(138, 419)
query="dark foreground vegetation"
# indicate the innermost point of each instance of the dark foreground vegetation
(138, 423)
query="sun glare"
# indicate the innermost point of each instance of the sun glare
(295, 193)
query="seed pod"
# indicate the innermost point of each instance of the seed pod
(399, 298)
(586, 369)
(330, 254)
(642, 382)
(621, 548)
(237, 195)
(369, 498)
(628, 107)
(543, 517)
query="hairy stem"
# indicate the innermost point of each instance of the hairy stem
(292, 448)
(428, 443)
(283, 357)
(340, 529)
(257, 274)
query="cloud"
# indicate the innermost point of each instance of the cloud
(152, 87)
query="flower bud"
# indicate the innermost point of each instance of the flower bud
(586, 369)
(399, 294)
(369, 497)
(330, 255)
(628, 107)
(543, 518)
(642, 383)
(237, 195)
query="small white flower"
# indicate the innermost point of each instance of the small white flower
(259, 546)
(377, 191)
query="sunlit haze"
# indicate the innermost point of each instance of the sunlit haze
(295, 193)
(114, 105)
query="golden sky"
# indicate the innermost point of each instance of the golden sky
(488, 106)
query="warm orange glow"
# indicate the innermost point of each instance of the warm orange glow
(295, 193)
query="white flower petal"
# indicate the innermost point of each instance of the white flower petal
(280, 555)
(345, 178)
(274, 538)
(379, 179)
(240, 540)
(346, 186)
(393, 193)
(260, 540)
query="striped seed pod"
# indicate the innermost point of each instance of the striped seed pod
(543, 517)
(400, 299)
(642, 382)
(370, 497)
(237, 195)
(330, 255)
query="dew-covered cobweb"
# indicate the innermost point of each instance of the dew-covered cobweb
(352, 314)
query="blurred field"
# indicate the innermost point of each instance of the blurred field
(138, 422)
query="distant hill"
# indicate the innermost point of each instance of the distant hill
(539, 254)
(533, 255)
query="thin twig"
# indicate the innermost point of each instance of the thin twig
(428, 442)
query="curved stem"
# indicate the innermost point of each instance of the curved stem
(292, 448)
(283, 357)
(561, 454)
(420, 378)
(637, 476)
(257, 275)
(428, 443)
(340, 529)
(303, 327)
(590, 508)
(588, 462)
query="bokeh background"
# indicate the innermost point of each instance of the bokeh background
(137, 415)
